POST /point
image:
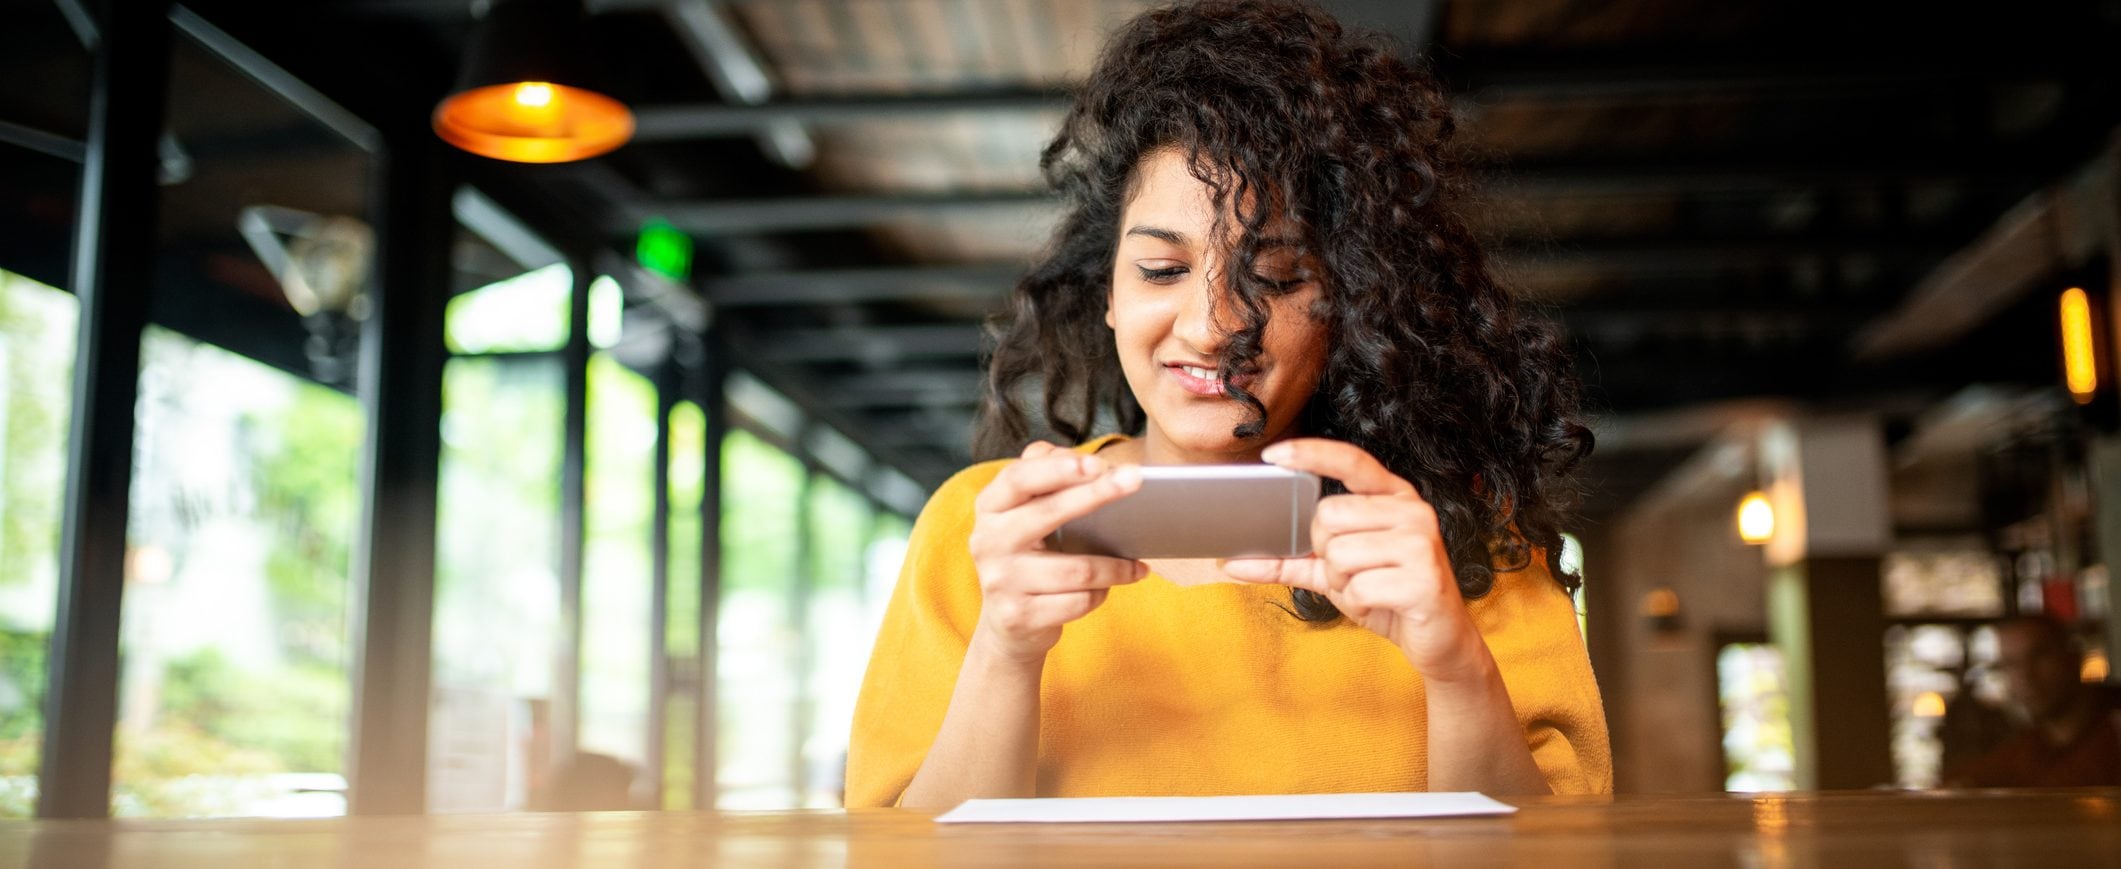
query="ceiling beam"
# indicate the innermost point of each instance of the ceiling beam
(793, 213)
(697, 121)
(994, 280)
(847, 286)
(2056, 227)
(1740, 324)
(932, 427)
(1482, 85)
(731, 63)
(1681, 254)
(906, 388)
(873, 345)
(800, 388)
(1635, 176)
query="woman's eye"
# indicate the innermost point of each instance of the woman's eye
(1161, 276)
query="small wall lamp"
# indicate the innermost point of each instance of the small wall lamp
(1756, 518)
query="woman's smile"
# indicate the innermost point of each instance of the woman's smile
(1199, 378)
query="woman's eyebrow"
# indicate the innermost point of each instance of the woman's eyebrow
(1157, 232)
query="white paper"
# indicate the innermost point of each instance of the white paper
(1242, 808)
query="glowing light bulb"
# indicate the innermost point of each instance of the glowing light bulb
(1756, 518)
(2079, 368)
(533, 94)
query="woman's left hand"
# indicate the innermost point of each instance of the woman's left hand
(1378, 554)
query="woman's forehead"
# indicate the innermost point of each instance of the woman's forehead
(1170, 203)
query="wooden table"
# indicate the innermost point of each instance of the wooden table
(2044, 829)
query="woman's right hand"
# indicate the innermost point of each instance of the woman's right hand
(1028, 593)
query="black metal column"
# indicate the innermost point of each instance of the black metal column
(402, 357)
(112, 270)
(574, 476)
(666, 388)
(713, 376)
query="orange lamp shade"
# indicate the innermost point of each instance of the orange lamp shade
(533, 122)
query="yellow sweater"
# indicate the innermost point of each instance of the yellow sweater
(1210, 689)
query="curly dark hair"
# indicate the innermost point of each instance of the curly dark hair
(1285, 116)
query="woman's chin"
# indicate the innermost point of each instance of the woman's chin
(1211, 438)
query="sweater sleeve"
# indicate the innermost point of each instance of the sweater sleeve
(1531, 629)
(919, 648)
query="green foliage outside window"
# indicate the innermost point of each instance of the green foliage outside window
(36, 373)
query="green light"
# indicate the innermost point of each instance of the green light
(664, 250)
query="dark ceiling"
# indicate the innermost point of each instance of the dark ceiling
(1721, 202)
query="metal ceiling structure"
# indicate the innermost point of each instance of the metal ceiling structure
(1721, 203)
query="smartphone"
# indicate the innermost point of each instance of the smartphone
(1201, 511)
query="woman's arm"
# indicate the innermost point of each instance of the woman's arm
(1380, 559)
(1475, 740)
(988, 744)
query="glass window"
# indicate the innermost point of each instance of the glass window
(1945, 698)
(761, 490)
(497, 594)
(524, 313)
(1572, 562)
(617, 563)
(688, 464)
(795, 642)
(1758, 752)
(37, 327)
(841, 522)
(234, 693)
(235, 648)
(1944, 581)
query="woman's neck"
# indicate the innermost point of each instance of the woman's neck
(1151, 448)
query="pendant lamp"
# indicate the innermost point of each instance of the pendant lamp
(523, 93)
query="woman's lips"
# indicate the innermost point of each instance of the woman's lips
(1200, 379)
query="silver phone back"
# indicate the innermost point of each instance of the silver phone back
(1201, 511)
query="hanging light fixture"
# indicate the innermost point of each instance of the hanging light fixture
(522, 94)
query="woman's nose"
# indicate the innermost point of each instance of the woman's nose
(1211, 313)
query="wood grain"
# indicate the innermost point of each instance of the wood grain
(2046, 829)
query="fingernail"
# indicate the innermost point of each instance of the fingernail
(1141, 569)
(1092, 465)
(1128, 476)
(1275, 454)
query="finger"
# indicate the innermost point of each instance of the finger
(1053, 573)
(1342, 514)
(1354, 553)
(1343, 461)
(1039, 612)
(1034, 475)
(1306, 573)
(1060, 609)
(1402, 590)
(1032, 520)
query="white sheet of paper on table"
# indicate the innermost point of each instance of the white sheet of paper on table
(1239, 808)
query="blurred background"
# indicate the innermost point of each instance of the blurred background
(422, 481)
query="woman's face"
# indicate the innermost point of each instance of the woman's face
(1171, 310)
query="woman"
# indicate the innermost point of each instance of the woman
(1262, 260)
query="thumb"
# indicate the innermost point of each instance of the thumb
(1305, 573)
